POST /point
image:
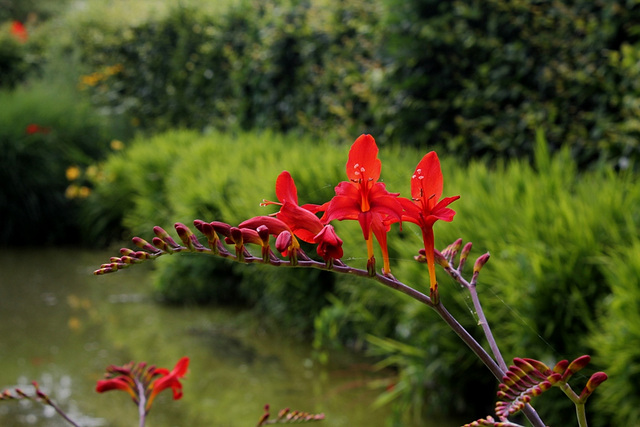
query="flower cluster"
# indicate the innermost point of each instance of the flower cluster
(143, 382)
(362, 197)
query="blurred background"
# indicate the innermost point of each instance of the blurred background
(116, 116)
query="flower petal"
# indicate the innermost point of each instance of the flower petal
(286, 188)
(427, 178)
(363, 163)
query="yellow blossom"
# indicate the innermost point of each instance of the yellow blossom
(117, 145)
(72, 173)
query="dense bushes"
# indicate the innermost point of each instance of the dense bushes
(482, 76)
(552, 233)
(477, 78)
(48, 140)
(277, 65)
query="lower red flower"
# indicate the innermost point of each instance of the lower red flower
(142, 382)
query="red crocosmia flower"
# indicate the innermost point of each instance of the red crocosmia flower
(425, 208)
(118, 383)
(137, 378)
(276, 227)
(286, 192)
(19, 31)
(34, 128)
(168, 380)
(301, 220)
(365, 199)
(310, 229)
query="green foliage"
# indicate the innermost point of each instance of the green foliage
(617, 336)
(13, 64)
(23, 10)
(477, 78)
(280, 65)
(38, 143)
(548, 229)
(481, 76)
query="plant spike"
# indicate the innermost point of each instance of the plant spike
(287, 416)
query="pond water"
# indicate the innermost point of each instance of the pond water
(62, 326)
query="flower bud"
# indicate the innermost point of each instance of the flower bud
(480, 262)
(575, 366)
(464, 254)
(595, 380)
(440, 259)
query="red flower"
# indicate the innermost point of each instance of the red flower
(365, 199)
(424, 209)
(33, 128)
(19, 31)
(299, 220)
(136, 378)
(169, 380)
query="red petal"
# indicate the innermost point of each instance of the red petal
(329, 244)
(363, 160)
(381, 201)
(427, 178)
(441, 211)
(119, 383)
(342, 207)
(303, 223)
(274, 225)
(286, 188)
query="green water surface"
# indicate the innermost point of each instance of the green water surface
(62, 326)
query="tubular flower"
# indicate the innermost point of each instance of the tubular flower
(142, 382)
(301, 220)
(424, 208)
(365, 199)
(288, 246)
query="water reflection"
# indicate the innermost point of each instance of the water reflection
(61, 326)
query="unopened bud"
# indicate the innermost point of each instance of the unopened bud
(161, 233)
(480, 262)
(593, 383)
(464, 254)
(440, 259)
(575, 366)
(143, 244)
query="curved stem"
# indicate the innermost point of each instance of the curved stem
(385, 279)
(484, 323)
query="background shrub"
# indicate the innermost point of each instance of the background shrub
(48, 139)
(479, 77)
(476, 78)
(617, 335)
(281, 65)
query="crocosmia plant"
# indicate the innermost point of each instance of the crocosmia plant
(143, 382)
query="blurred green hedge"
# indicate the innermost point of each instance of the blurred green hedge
(49, 138)
(474, 77)
(553, 232)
